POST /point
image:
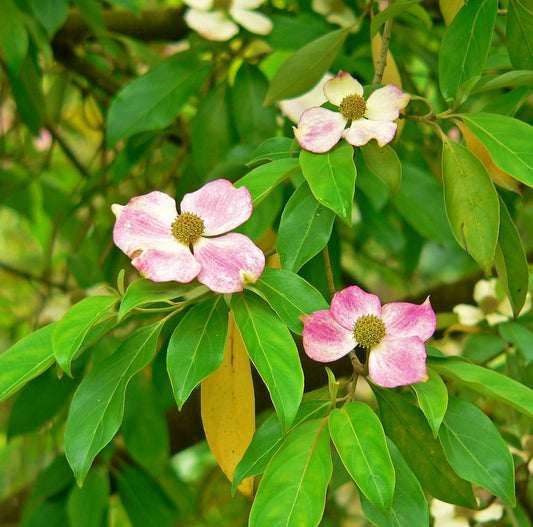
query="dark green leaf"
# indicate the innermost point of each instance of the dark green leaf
(90, 9)
(509, 79)
(274, 148)
(384, 163)
(519, 34)
(87, 505)
(432, 398)
(196, 348)
(391, 11)
(13, 35)
(520, 336)
(51, 13)
(482, 347)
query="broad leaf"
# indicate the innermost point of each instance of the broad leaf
(510, 79)
(304, 229)
(331, 177)
(432, 398)
(13, 35)
(384, 163)
(274, 148)
(301, 469)
(273, 352)
(87, 505)
(360, 441)
(520, 336)
(519, 34)
(196, 347)
(476, 449)
(51, 13)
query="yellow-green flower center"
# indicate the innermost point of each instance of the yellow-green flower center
(222, 4)
(368, 331)
(489, 304)
(352, 107)
(187, 228)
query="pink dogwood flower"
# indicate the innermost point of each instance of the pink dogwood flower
(166, 246)
(320, 129)
(394, 335)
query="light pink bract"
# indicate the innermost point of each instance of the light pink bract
(144, 231)
(398, 359)
(320, 129)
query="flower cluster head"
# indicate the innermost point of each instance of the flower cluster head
(215, 19)
(393, 334)
(320, 129)
(492, 305)
(166, 246)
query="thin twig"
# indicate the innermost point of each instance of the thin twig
(68, 152)
(382, 59)
(329, 272)
(31, 276)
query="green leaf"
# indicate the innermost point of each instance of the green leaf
(103, 391)
(406, 425)
(519, 34)
(25, 360)
(360, 441)
(50, 13)
(471, 202)
(304, 229)
(254, 122)
(486, 382)
(273, 352)
(292, 492)
(482, 347)
(432, 397)
(511, 261)
(263, 179)
(196, 347)
(153, 101)
(510, 79)
(476, 449)
(465, 45)
(409, 505)
(142, 292)
(301, 71)
(390, 12)
(90, 9)
(13, 35)
(331, 177)
(72, 329)
(508, 141)
(274, 148)
(269, 437)
(87, 505)
(289, 295)
(384, 163)
(520, 336)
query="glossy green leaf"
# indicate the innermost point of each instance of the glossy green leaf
(304, 229)
(13, 35)
(87, 505)
(409, 505)
(508, 141)
(465, 45)
(407, 426)
(519, 34)
(482, 347)
(510, 79)
(385, 164)
(273, 352)
(274, 148)
(51, 13)
(476, 449)
(254, 122)
(90, 9)
(511, 262)
(301, 469)
(471, 202)
(432, 397)
(301, 71)
(289, 295)
(391, 11)
(263, 179)
(520, 336)
(72, 329)
(157, 97)
(331, 177)
(269, 437)
(196, 347)
(486, 382)
(103, 391)
(26, 359)
(360, 441)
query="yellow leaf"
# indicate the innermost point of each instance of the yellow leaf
(449, 8)
(499, 176)
(228, 407)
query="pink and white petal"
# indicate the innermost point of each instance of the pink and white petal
(323, 339)
(385, 104)
(403, 319)
(253, 21)
(352, 303)
(319, 129)
(398, 362)
(228, 262)
(212, 25)
(144, 222)
(172, 262)
(363, 130)
(340, 86)
(221, 206)
(201, 5)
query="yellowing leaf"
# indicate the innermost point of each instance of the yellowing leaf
(228, 407)
(499, 176)
(449, 8)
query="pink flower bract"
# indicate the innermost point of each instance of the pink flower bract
(165, 246)
(394, 335)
